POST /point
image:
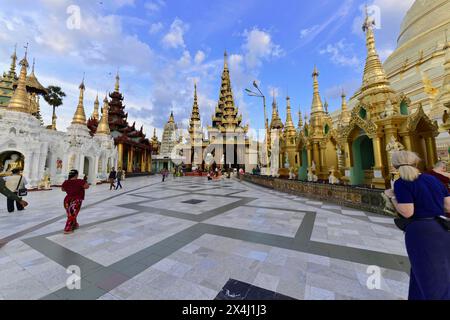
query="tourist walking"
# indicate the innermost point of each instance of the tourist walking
(75, 189)
(119, 178)
(14, 183)
(112, 178)
(422, 199)
(163, 174)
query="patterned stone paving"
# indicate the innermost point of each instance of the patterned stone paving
(189, 238)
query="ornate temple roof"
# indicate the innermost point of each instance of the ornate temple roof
(194, 121)
(20, 100)
(276, 122)
(103, 125)
(33, 84)
(118, 121)
(374, 75)
(289, 128)
(226, 117)
(80, 116)
(316, 106)
(170, 136)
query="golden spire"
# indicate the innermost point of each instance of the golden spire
(103, 125)
(300, 120)
(95, 114)
(80, 117)
(317, 105)
(19, 100)
(171, 118)
(345, 116)
(32, 68)
(194, 122)
(117, 85)
(289, 126)
(373, 70)
(12, 69)
(276, 120)
(225, 60)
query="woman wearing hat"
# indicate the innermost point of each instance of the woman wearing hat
(75, 189)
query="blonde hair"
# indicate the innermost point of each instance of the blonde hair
(406, 164)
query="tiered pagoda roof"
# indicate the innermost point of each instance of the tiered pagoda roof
(121, 131)
(227, 117)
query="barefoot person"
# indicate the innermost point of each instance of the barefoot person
(75, 189)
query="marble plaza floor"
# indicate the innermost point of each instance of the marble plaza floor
(189, 238)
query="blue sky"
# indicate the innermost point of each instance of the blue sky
(161, 47)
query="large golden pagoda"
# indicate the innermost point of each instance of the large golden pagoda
(381, 123)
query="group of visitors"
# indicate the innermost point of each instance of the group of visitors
(423, 200)
(116, 177)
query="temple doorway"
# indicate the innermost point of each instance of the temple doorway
(303, 171)
(88, 169)
(10, 160)
(363, 161)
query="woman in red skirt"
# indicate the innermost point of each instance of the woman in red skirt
(74, 188)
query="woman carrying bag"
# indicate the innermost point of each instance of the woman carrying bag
(422, 201)
(16, 183)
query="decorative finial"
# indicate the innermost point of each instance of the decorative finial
(225, 60)
(368, 23)
(117, 85)
(82, 87)
(32, 68)
(315, 72)
(26, 50)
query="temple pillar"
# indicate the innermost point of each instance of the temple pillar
(120, 160)
(323, 166)
(130, 160)
(309, 156)
(407, 142)
(143, 160)
(316, 156)
(378, 178)
(431, 159)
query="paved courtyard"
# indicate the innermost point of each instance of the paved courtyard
(192, 239)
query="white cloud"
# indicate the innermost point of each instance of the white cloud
(341, 53)
(154, 6)
(258, 46)
(175, 37)
(185, 60)
(156, 27)
(309, 31)
(199, 57)
(338, 18)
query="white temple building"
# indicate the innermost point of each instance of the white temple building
(46, 155)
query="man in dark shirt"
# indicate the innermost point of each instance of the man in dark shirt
(112, 178)
(440, 171)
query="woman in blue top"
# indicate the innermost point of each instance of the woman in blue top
(423, 198)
